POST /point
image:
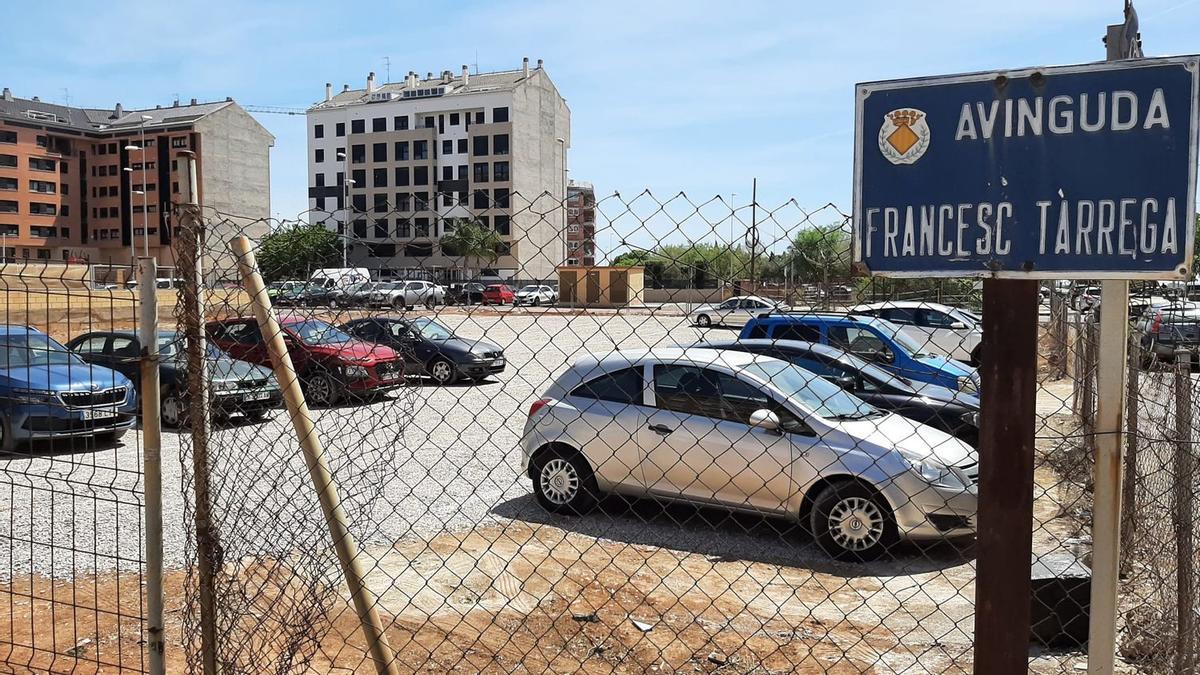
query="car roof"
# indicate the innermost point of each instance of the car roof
(904, 304)
(595, 365)
(14, 329)
(799, 345)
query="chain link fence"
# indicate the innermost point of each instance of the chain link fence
(718, 451)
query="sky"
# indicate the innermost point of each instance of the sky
(697, 97)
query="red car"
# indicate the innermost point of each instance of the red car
(330, 363)
(498, 294)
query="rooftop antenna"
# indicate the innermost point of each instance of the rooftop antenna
(66, 97)
(387, 68)
(476, 61)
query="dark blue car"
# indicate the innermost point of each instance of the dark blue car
(48, 392)
(869, 338)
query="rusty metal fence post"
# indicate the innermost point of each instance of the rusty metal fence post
(191, 298)
(1183, 515)
(1128, 488)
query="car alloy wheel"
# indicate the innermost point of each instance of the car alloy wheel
(322, 390)
(856, 523)
(442, 371)
(398, 303)
(171, 410)
(559, 481)
(703, 321)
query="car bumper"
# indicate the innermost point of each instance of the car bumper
(924, 512)
(479, 369)
(376, 383)
(28, 422)
(240, 401)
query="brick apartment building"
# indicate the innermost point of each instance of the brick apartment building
(422, 153)
(80, 184)
(581, 224)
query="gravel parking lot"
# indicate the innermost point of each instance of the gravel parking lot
(72, 508)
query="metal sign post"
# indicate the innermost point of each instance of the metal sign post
(1081, 172)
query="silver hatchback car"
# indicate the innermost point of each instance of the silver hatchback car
(750, 433)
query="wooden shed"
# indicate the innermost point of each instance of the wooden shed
(601, 286)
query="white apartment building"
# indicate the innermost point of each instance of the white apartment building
(395, 164)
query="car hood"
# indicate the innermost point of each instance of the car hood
(947, 365)
(704, 308)
(357, 350)
(465, 346)
(72, 377)
(226, 370)
(917, 440)
(947, 395)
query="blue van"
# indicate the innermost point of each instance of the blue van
(870, 338)
(48, 392)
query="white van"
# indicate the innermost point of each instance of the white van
(339, 277)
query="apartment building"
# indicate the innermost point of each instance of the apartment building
(396, 165)
(92, 185)
(581, 224)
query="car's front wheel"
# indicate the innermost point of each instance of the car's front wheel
(442, 371)
(563, 482)
(704, 321)
(852, 522)
(321, 390)
(172, 411)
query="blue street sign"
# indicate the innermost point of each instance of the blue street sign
(1068, 172)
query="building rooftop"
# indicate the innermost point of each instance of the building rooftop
(451, 83)
(95, 119)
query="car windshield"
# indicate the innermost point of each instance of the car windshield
(530, 289)
(909, 345)
(823, 398)
(31, 349)
(171, 345)
(431, 330)
(963, 316)
(318, 333)
(874, 372)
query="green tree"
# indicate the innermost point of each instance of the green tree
(470, 240)
(294, 251)
(819, 254)
(687, 265)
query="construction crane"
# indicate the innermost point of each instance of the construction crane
(273, 110)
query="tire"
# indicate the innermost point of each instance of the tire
(704, 321)
(838, 517)
(333, 303)
(430, 303)
(563, 482)
(977, 356)
(172, 411)
(442, 371)
(398, 304)
(7, 442)
(321, 390)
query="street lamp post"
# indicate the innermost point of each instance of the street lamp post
(346, 183)
(562, 153)
(132, 243)
(145, 189)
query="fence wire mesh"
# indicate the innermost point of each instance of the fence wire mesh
(716, 449)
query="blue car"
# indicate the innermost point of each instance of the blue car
(48, 392)
(870, 338)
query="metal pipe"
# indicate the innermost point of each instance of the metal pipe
(152, 463)
(314, 456)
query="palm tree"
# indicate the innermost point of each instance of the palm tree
(470, 240)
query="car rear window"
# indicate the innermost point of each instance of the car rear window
(797, 331)
(619, 386)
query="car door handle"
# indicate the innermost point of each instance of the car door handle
(660, 429)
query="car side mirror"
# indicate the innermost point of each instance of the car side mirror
(958, 325)
(765, 419)
(846, 382)
(886, 356)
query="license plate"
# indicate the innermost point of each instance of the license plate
(99, 413)
(498, 362)
(258, 396)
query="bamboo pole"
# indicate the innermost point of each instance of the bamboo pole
(314, 457)
(152, 461)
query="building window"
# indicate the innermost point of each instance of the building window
(402, 201)
(43, 209)
(454, 119)
(379, 124)
(10, 230)
(479, 117)
(359, 176)
(43, 254)
(447, 173)
(320, 180)
(381, 228)
(462, 146)
(64, 188)
(499, 115)
(480, 172)
(500, 144)
(319, 155)
(43, 232)
(418, 250)
(179, 142)
(379, 178)
(429, 122)
(360, 229)
(358, 154)
(480, 200)
(400, 122)
(380, 204)
(420, 201)
(43, 141)
(401, 176)
(403, 228)
(462, 171)
(358, 203)
(9, 137)
(420, 175)
(340, 129)
(8, 206)
(504, 248)
(447, 147)
(8, 183)
(379, 152)
(480, 146)
(401, 149)
(500, 198)
(421, 227)
(38, 164)
(319, 131)
(8, 161)
(66, 210)
(358, 126)
(500, 171)
(447, 199)
(502, 226)
(420, 149)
